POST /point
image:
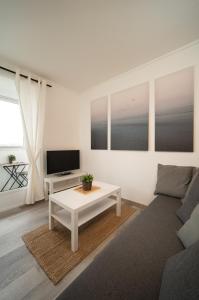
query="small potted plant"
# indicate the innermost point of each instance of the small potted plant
(11, 158)
(87, 182)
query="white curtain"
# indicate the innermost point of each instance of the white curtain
(32, 103)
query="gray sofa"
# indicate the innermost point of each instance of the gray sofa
(131, 266)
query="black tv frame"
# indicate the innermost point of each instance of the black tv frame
(54, 162)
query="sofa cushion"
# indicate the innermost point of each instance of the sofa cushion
(194, 173)
(181, 276)
(131, 265)
(192, 199)
(173, 180)
(189, 233)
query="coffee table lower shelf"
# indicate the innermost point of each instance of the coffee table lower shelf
(64, 217)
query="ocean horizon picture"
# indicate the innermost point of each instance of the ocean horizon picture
(129, 118)
(174, 108)
(99, 123)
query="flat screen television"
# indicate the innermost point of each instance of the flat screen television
(62, 161)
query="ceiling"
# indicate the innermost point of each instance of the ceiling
(80, 43)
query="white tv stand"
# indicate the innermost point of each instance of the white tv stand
(71, 180)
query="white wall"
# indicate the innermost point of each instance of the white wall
(61, 132)
(62, 119)
(135, 171)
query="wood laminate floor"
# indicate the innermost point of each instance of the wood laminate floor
(20, 275)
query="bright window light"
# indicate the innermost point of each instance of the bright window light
(11, 131)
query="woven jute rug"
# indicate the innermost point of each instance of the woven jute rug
(52, 249)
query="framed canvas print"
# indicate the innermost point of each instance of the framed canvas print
(129, 118)
(99, 123)
(174, 107)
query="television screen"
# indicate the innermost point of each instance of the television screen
(59, 161)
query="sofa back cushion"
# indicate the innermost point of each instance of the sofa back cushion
(189, 232)
(190, 201)
(181, 276)
(173, 180)
(194, 174)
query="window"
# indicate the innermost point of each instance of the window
(11, 131)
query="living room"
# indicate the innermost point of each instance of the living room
(81, 66)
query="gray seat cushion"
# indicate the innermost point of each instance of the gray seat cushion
(192, 199)
(173, 180)
(181, 276)
(131, 266)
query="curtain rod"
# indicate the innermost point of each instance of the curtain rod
(22, 75)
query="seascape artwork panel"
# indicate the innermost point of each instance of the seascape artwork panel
(129, 118)
(99, 123)
(174, 108)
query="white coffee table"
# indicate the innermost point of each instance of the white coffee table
(78, 208)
